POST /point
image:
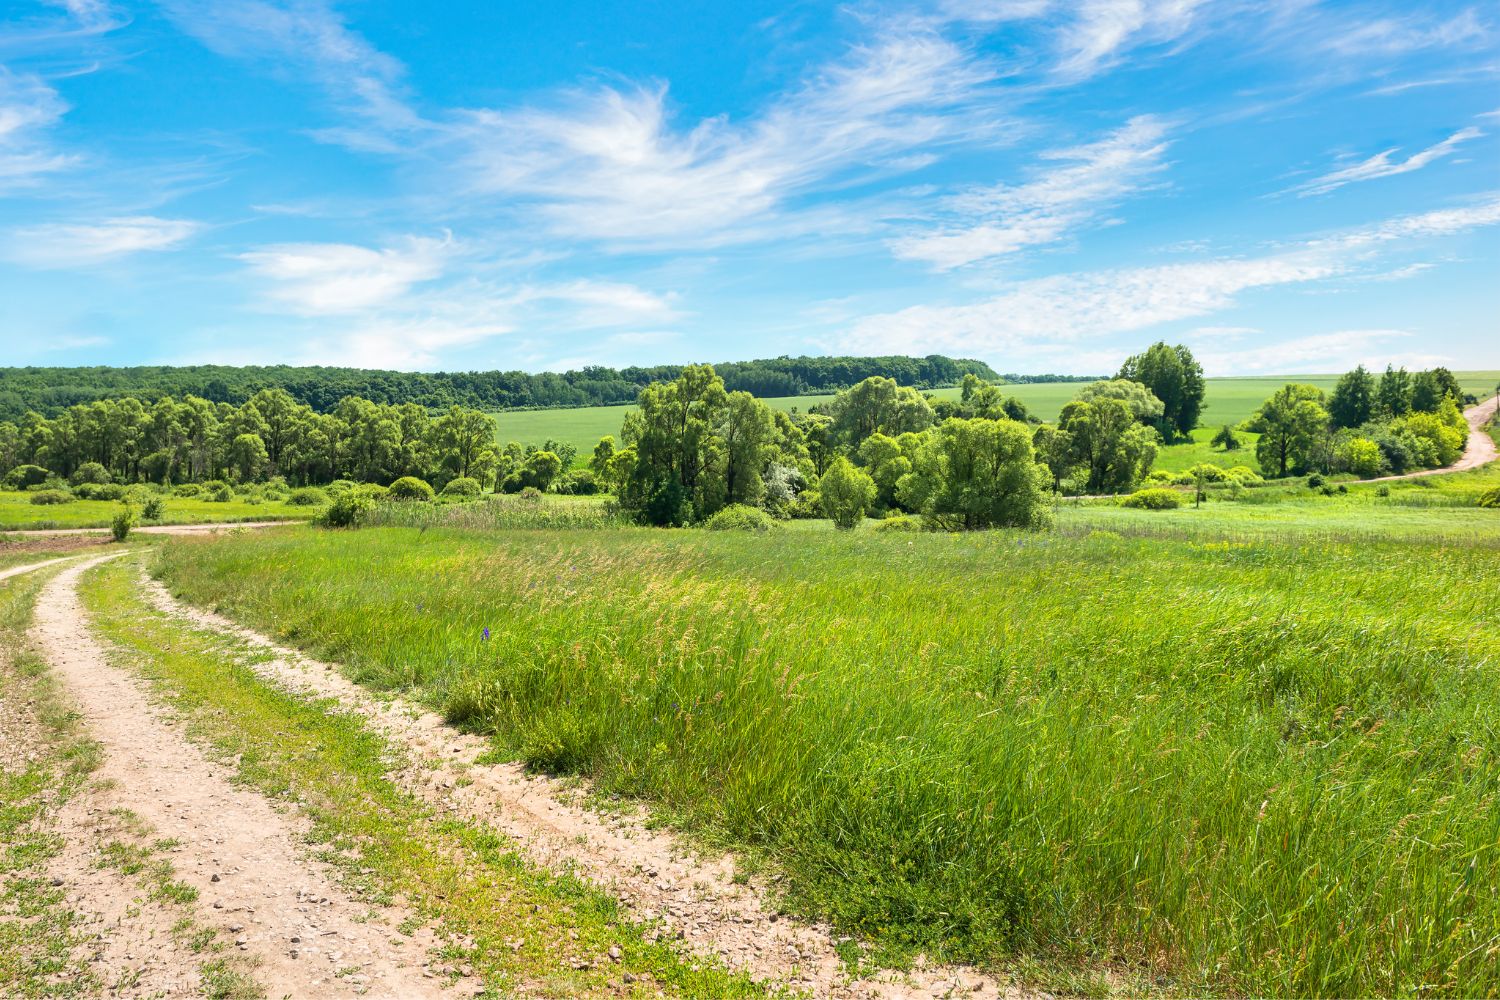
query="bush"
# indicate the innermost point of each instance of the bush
(1160, 477)
(153, 509)
(1210, 472)
(123, 522)
(370, 491)
(578, 483)
(1245, 476)
(25, 476)
(739, 517)
(899, 523)
(409, 488)
(307, 496)
(1490, 498)
(99, 491)
(49, 497)
(463, 487)
(1384, 491)
(1315, 481)
(348, 510)
(89, 472)
(808, 505)
(186, 490)
(1153, 499)
(340, 486)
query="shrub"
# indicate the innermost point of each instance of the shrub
(99, 491)
(530, 494)
(809, 504)
(1384, 491)
(186, 490)
(463, 487)
(1490, 498)
(739, 517)
(1314, 481)
(1153, 499)
(899, 523)
(348, 510)
(1244, 475)
(153, 509)
(25, 476)
(409, 488)
(307, 496)
(578, 483)
(340, 486)
(370, 491)
(1210, 472)
(1160, 477)
(89, 472)
(123, 522)
(49, 497)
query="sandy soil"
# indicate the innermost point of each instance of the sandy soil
(649, 870)
(255, 883)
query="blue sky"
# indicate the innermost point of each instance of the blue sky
(1284, 185)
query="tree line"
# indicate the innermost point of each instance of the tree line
(191, 439)
(1368, 425)
(50, 391)
(695, 447)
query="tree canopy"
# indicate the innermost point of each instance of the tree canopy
(1175, 378)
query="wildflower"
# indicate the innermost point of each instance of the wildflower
(486, 633)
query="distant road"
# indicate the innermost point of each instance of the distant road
(154, 529)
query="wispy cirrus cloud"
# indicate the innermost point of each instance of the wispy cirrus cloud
(612, 164)
(1060, 311)
(1077, 184)
(1382, 164)
(84, 244)
(1411, 33)
(309, 39)
(29, 108)
(1102, 32)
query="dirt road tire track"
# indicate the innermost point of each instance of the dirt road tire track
(255, 883)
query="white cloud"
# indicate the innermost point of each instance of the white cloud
(1400, 35)
(61, 245)
(1103, 31)
(1318, 353)
(1007, 218)
(28, 108)
(329, 278)
(1381, 164)
(310, 39)
(612, 165)
(1046, 315)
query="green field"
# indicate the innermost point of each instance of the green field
(17, 512)
(1199, 752)
(1227, 401)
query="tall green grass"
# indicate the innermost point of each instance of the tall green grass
(1235, 766)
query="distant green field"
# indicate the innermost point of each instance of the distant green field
(17, 512)
(1228, 401)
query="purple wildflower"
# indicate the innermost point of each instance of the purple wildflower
(486, 633)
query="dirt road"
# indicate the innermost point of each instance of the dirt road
(1480, 449)
(285, 912)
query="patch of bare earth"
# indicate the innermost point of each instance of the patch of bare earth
(654, 875)
(303, 934)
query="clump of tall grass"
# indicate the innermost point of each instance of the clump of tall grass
(501, 512)
(1257, 767)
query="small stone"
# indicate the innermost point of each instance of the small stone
(214, 877)
(614, 952)
(57, 882)
(296, 939)
(236, 928)
(295, 953)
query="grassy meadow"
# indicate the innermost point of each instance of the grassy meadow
(18, 513)
(1242, 749)
(1226, 401)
